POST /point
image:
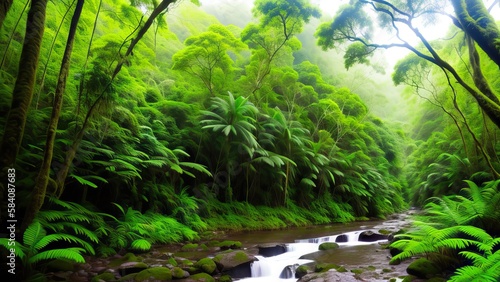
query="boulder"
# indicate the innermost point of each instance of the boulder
(270, 250)
(178, 273)
(131, 267)
(234, 263)
(370, 236)
(328, 246)
(301, 271)
(289, 271)
(154, 274)
(206, 265)
(106, 276)
(423, 268)
(200, 277)
(342, 238)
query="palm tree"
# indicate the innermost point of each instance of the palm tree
(235, 119)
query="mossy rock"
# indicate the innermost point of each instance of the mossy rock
(179, 273)
(323, 267)
(207, 265)
(129, 277)
(106, 276)
(225, 278)
(357, 271)
(155, 274)
(226, 245)
(409, 278)
(172, 262)
(129, 257)
(232, 259)
(328, 246)
(301, 271)
(201, 277)
(423, 268)
(61, 265)
(189, 247)
(386, 270)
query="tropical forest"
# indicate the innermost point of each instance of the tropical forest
(264, 140)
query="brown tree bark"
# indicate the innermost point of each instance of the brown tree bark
(39, 191)
(23, 89)
(4, 8)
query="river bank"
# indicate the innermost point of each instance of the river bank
(229, 256)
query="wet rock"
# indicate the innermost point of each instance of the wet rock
(200, 277)
(106, 276)
(329, 276)
(235, 263)
(206, 265)
(154, 274)
(226, 245)
(328, 246)
(131, 267)
(118, 260)
(423, 268)
(178, 273)
(289, 271)
(370, 236)
(341, 239)
(301, 271)
(270, 250)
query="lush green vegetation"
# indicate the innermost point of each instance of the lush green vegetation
(133, 123)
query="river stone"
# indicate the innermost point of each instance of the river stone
(423, 268)
(129, 257)
(329, 276)
(207, 265)
(301, 271)
(270, 250)
(131, 267)
(200, 277)
(106, 276)
(370, 236)
(178, 273)
(235, 263)
(154, 274)
(328, 246)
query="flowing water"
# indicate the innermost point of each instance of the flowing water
(352, 252)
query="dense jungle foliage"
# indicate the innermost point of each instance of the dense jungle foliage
(133, 123)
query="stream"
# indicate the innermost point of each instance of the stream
(354, 253)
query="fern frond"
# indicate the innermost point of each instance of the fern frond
(43, 242)
(18, 248)
(73, 254)
(141, 245)
(33, 233)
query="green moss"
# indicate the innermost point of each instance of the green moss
(323, 267)
(423, 268)
(206, 265)
(225, 278)
(129, 257)
(371, 268)
(172, 262)
(301, 271)
(386, 270)
(178, 273)
(201, 277)
(129, 277)
(357, 271)
(106, 276)
(229, 245)
(328, 246)
(154, 273)
(189, 247)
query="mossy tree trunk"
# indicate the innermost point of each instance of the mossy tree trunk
(38, 194)
(23, 88)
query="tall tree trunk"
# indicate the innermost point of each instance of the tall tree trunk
(70, 154)
(477, 22)
(23, 88)
(38, 196)
(4, 8)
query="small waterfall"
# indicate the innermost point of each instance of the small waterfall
(282, 267)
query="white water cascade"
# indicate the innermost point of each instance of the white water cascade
(269, 269)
